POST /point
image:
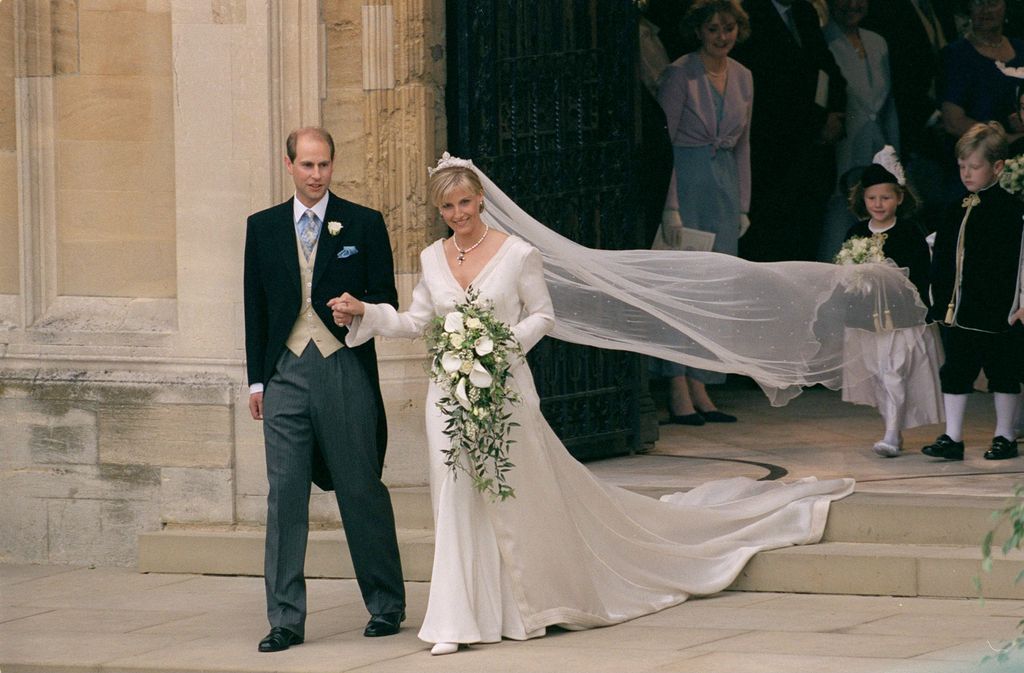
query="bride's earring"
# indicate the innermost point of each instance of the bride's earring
(481, 206)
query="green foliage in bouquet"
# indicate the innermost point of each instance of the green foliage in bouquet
(471, 356)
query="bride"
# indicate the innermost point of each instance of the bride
(569, 549)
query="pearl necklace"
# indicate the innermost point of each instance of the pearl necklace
(466, 251)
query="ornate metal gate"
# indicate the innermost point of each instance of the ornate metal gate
(542, 95)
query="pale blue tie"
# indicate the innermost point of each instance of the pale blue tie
(308, 231)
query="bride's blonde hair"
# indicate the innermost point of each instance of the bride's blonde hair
(444, 180)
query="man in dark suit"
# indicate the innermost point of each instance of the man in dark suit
(320, 402)
(799, 105)
(915, 30)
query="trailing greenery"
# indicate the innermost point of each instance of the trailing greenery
(1013, 514)
(472, 353)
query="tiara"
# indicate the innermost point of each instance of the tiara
(890, 161)
(448, 161)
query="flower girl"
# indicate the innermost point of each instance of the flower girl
(898, 368)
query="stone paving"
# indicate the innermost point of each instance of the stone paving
(115, 620)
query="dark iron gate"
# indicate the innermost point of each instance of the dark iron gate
(542, 95)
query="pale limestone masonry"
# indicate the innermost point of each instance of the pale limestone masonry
(135, 138)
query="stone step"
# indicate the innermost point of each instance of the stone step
(240, 552)
(946, 571)
(913, 519)
(829, 567)
(874, 544)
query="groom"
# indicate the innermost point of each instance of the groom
(319, 401)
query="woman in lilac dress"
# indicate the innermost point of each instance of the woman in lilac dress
(707, 98)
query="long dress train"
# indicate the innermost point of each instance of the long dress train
(569, 549)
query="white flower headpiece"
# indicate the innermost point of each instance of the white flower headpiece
(890, 161)
(448, 161)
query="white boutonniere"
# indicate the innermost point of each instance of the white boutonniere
(334, 228)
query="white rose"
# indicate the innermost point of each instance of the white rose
(453, 322)
(333, 228)
(466, 367)
(479, 376)
(457, 340)
(474, 323)
(451, 362)
(460, 394)
(483, 346)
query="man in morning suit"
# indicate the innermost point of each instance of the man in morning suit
(319, 401)
(799, 104)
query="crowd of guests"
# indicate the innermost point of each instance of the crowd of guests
(763, 121)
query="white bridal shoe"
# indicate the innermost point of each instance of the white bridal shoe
(444, 648)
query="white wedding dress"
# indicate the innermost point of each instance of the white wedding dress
(569, 549)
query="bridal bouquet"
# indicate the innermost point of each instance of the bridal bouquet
(470, 359)
(862, 250)
(1012, 178)
(867, 250)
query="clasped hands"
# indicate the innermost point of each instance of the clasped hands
(344, 308)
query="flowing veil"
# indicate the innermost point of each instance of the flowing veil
(782, 324)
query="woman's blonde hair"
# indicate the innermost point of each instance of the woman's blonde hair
(445, 180)
(990, 138)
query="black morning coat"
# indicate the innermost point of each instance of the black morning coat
(273, 296)
(992, 246)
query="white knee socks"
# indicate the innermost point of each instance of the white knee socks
(955, 406)
(1006, 415)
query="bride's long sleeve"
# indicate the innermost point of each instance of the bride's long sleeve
(538, 314)
(384, 320)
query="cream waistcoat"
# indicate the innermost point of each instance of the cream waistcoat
(308, 326)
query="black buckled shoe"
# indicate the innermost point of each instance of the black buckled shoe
(387, 624)
(1002, 448)
(944, 447)
(279, 639)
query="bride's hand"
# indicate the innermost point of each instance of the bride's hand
(345, 307)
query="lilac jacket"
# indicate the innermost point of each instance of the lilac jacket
(685, 95)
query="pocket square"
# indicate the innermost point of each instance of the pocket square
(347, 251)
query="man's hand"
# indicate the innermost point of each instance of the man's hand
(1018, 316)
(256, 406)
(344, 308)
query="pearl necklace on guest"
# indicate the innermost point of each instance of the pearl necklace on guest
(465, 251)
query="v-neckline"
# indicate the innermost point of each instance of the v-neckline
(451, 274)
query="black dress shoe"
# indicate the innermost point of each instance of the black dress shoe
(685, 419)
(387, 624)
(944, 447)
(279, 639)
(716, 416)
(1002, 448)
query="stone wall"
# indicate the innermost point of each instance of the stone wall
(135, 138)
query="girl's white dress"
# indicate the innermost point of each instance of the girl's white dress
(569, 549)
(896, 371)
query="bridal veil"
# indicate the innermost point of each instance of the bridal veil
(779, 323)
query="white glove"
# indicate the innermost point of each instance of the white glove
(744, 223)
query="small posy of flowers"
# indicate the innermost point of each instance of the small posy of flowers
(1012, 177)
(862, 250)
(334, 227)
(471, 353)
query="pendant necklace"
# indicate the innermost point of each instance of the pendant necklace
(466, 251)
